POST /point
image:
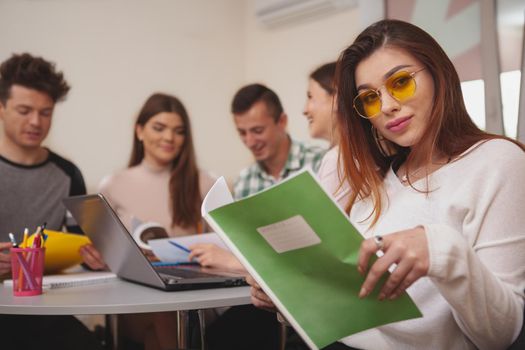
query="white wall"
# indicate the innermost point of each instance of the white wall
(115, 53)
(284, 57)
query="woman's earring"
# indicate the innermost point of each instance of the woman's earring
(377, 136)
(380, 141)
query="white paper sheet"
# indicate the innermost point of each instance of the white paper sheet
(167, 252)
(290, 234)
(217, 196)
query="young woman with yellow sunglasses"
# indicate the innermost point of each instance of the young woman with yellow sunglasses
(441, 199)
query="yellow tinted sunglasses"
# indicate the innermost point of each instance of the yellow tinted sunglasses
(400, 85)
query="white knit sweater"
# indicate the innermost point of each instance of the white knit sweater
(475, 225)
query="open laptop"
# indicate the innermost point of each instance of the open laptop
(124, 257)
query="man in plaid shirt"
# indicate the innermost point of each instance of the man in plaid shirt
(261, 123)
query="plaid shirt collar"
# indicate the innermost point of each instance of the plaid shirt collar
(254, 178)
(293, 162)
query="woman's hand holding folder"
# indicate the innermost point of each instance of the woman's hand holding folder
(258, 297)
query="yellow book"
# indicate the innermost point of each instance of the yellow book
(62, 250)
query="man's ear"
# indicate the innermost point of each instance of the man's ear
(2, 110)
(283, 120)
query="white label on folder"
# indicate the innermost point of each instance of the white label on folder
(289, 234)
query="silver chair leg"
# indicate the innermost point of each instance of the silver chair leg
(202, 327)
(282, 336)
(182, 329)
(112, 336)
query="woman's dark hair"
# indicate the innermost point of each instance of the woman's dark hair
(184, 186)
(450, 130)
(33, 73)
(325, 76)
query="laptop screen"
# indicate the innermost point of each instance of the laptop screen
(125, 258)
(119, 250)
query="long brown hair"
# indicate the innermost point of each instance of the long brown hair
(324, 76)
(450, 130)
(184, 186)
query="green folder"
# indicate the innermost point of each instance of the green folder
(312, 278)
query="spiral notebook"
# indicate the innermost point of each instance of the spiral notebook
(73, 279)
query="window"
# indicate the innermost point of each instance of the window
(474, 97)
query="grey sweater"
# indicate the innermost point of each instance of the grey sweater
(32, 195)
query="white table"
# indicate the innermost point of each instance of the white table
(121, 297)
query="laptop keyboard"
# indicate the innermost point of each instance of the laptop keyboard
(182, 273)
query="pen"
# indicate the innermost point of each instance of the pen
(43, 241)
(24, 241)
(36, 241)
(44, 235)
(180, 246)
(12, 239)
(37, 238)
(27, 273)
(15, 245)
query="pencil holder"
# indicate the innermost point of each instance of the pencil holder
(27, 267)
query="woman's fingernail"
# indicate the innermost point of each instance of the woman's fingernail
(363, 293)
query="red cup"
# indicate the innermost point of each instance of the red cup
(27, 267)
